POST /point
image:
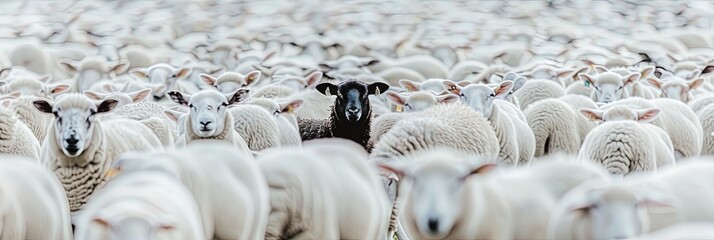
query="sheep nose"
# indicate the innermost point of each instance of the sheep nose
(353, 110)
(72, 140)
(205, 123)
(433, 224)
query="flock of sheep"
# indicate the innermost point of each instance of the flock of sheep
(217, 119)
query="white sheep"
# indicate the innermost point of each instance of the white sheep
(140, 205)
(538, 89)
(163, 78)
(34, 202)
(284, 113)
(623, 145)
(91, 70)
(515, 137)
(79, 147)
(556, 126)
(448, 125)
(434, 85)
(30, 86)
(15, 137)
(700, 102)
(637, 205)
(215, 173)
(33, 58)
(676, 119)
(428, 66)
(447, 194)
(229, 82)
(256, 126)
(418, 101)
(676, 88)
(209, 117)
(609, 86)
(325, 190)
(706, 118)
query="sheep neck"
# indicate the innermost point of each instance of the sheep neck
(356, 131)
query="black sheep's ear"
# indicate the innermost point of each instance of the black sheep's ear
(377, 88)
(326, 88)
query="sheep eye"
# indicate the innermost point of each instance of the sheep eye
(56, 114)
(462, 95)
(492, 95)
(173, 76)
(244, 85)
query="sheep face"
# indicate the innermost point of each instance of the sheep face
(609, 86)
(619, 213)
(230, 82)
(352, 102)
(74, 120)
(161, 77)
(91, 70)
(433, 85)
(479, 97)
(34, 87)
(676, 88)
(435, 192)
(208, 109)
(621, 113)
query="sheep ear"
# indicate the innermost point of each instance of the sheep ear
(54, 89)
(139, 73)
(409, 85)
(392, 168)
(632, 78)
(291, 106)
(208, 79)
(707, 69)
(589, 80)
(464, 83)
(173, 115)
(238, 96)
(107, 105)
(482, 169)
(518, 83)
(313, 79)
(592, 114)
(451, 86)
(68, 66)
(656, 83)
(447, 98)
(647, 115)
(45, 78)
(326, 88)
(120, 67)
(645, 72)
(252, 77)
(696, 83)
(43, 105)
(101, 221)
(601, 69)
(179, 97)
(377, 88)
(182, 72)
(504, 88)
(140, 95)
(93, 95)
(396, 98)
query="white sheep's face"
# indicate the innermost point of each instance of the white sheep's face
(229, 87)
(74, 122)
(619, 213)
(609, 86)
(208, 109)
(435, 192)
(608, 92)
(480, 98)
(161, 77)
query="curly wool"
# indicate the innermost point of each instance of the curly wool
(256, 126)
(555, 127)
(165, 129)
(453, 126)
(34, 120)
(706, 117)
(228, 134)
(86, 173)
(536, 90)
(621, 147)
(16, 138)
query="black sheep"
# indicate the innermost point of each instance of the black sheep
(351, 115)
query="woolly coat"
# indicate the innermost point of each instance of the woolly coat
(16, 138)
